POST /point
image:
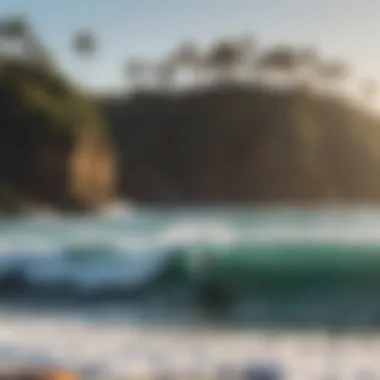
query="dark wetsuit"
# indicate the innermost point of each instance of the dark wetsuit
(210, 292)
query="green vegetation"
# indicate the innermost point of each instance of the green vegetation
(35, 97)
(43, 122)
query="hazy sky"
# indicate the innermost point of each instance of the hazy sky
(125, 28)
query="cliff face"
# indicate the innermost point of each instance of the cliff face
(92, 175)
(53, 146)
(246, 145)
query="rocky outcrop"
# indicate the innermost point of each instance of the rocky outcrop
(54, 148)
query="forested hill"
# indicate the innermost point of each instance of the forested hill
(223, 144)
(245, 144)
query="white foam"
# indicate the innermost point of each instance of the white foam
(132, 350)
(197, 233)
(136, 235)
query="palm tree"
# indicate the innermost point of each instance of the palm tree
(188, 57)
(17, 33)
(14, 28)
(279, 63)
(165, 74)
(248, 53)
(333, 74)
(308, 64)
(84, 46)
(135, 72)
(223, 59)
(13, 32)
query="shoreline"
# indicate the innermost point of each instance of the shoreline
(147, 350)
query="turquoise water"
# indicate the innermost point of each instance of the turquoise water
(285, 266)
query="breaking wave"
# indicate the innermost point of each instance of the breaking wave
(277, 264)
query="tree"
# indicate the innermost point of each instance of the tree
(14, 28)
(333, 73)
(308, 57)
(223, 59)
(280, 60)
(135, 72)
(16, 32)
(13, 32)
(165, 73)
(84, 46)
(187, 56)
(248, 54)
(308, 64)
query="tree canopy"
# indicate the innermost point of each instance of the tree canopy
(33, 98)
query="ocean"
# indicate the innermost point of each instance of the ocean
(198, 291)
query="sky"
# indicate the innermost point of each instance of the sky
(346, 29)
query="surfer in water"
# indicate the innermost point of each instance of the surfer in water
(210, 294)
